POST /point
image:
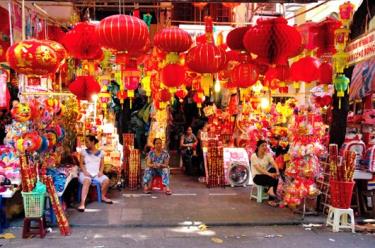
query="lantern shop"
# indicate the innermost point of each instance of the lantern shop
(97, 106)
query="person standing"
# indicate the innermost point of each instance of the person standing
(92, 166)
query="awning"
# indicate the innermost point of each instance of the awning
(363, 80)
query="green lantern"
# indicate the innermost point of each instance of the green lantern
(341, 83)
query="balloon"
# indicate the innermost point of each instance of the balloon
(44, 145)
(21, 112)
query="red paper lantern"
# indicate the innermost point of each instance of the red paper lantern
(32, 57)
(181, 94)
(273, 41)
(122, 95)
(164, 95)
(325, 36)
(308, 33)
(199, 98)
(81, 42)
(123, 33)
(200, 5)
(325, 73)
(59, 49)
(235, 38)
(230, 5)
(173, 75)
(84, 87)
(173, 39)
(279, 73)
(305, 69)
(139, 53)
(206, 58)
(244, 75)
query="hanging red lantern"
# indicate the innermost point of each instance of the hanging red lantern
(84, 87)
(82, 42)
(32, 57)
(235, 38)
(245, 75)
(308, 33)
(122, 95)
(200, 5)
(346, 12)
(276, 77)
(230, 5)
(273, 41)
(173, 39)
(199, 98)
(173, 75)
(305, 69)
(181, 94)
(206, 58)
(325, 73)
(325, 36)
(164, 95)
(123, 33)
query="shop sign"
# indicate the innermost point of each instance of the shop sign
(361, 49)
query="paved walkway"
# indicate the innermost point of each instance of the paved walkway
(191, 202)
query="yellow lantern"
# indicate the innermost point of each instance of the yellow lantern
(340, 60)
(206, 83)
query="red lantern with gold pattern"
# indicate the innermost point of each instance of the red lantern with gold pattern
(244, 75)
(273, 40)
(235, 38)
(173, 75)
(123, 33)
(32, 57)
(173, 39)
(82, 42)
(206, 58)
(181, 94)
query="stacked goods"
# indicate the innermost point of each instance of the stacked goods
(215, 164)
(27, 179)
(134, 169)
(59, 212)
(128, 139)
(341, 178)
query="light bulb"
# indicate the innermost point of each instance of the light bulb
(264, 103)
(94, 97)
(217, 86)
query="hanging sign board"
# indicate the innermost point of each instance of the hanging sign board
(361, 49)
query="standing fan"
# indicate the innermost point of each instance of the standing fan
(238, 174)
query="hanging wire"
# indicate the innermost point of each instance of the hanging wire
(119, 7)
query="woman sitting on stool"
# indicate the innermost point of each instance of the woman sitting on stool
(157, 165)
(92, 166)
(260, 161)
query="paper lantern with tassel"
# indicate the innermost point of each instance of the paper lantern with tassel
(325, 36)
(305, 69)
(273, 40)
(244, 75)
(82, 42)
(199, 98)
(346, 13)
(173, 39)
(164, 97)
(173, 76)
(84, 87)
(235, 38)
(121, 96)
(206, 58)
(181, 94)
(123, 33)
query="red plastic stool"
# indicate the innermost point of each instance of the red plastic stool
(157, 183)
(28, 230)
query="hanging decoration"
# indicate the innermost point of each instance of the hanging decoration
(206, 58)
(273, 41)
(235, 38)
(305, 69)
(173, 40)
(341, 83)
(84, 87)
(276, 77)
(325, 37)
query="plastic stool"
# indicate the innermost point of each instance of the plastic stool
(98, 190)
(257, 192)
(28, 230)
(338, 218)
(157, 183)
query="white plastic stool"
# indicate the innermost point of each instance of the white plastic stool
(257, 192)
(338, 218)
